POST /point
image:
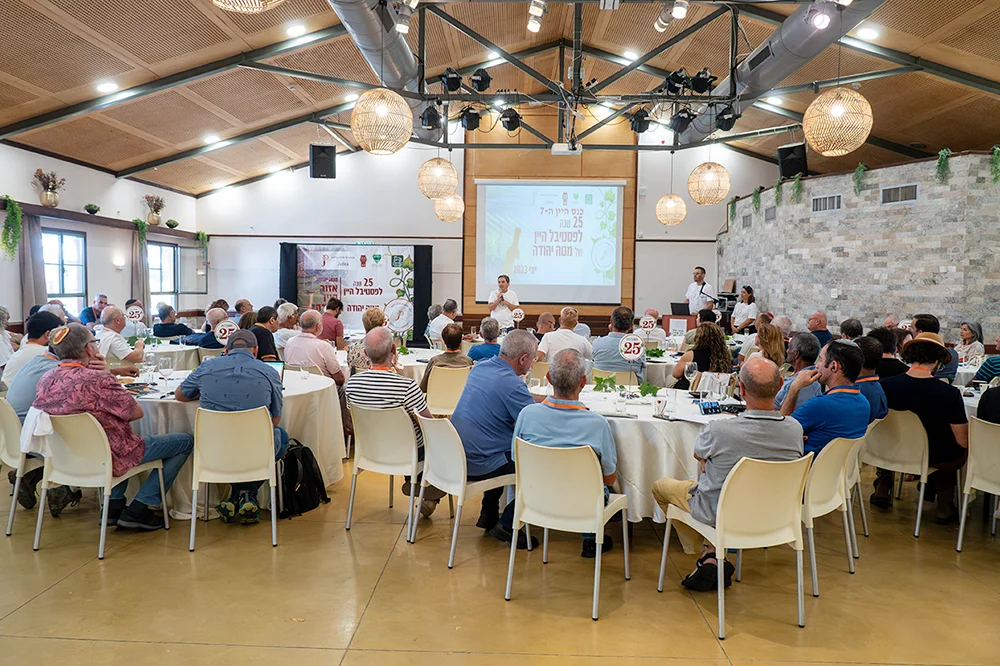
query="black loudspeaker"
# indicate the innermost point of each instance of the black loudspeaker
(322, 161)
(792, 160)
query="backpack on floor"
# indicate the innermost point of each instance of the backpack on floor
(301, 481)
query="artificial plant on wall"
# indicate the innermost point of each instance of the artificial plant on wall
(796, 196)
(202, 239)
(755, 198)
(141, 226)
(11, 228)
(942, 171)
(732, 209)
(859, 178)
(778, 184)
(995, 164)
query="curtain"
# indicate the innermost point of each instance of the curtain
(32, 264)
(140, 275)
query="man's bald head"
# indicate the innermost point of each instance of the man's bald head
(214, 316)
(311, 320)
(817, 322)
(379, 345)
(652, 312)
(760, 379)
(546, 318)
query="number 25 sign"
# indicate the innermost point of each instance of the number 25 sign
(630, 347)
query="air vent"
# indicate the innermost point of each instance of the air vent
(824, 204)
(770, 213)
(899, 194)
(747, 220)
(760, 58)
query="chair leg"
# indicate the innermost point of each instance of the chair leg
(194, 517)
(864, 514)
(545, 546)
(848, 541)
(104, 527)
(274, 518)
(454, 537)
(920, 510)
(163, 500)
(802, 601)
(628, 572)
(597, 579)
(411, 535)
(451, 505)
(899, 488)
(280, 472)
(527, 535)
(208, 494)
(13, 505)
(739, 565)
(812, 560)
(993, 520)
(350, 503)
(410, 518)
(961, 522)
(510, 564)
(663, 556)
(41, 512)
(721, 584)
(849, 514)
(390, 490)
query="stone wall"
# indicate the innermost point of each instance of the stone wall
(939, 254)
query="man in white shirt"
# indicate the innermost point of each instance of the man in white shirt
(657, 335)
(134, 328)
(113, 346)
(448, 313)
(700, 294)
(502, 302)
(565, 338)
(36, 341)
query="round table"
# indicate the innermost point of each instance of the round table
(659, 370)
(972, 404)
(415, 363)
(469, 344)
(310, 413)
(965, 374)
(185, 356)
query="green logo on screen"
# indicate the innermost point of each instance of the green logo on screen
(397, 261)
(588, 198)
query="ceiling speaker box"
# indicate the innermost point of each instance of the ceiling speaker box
(322, 161)
(792, 160)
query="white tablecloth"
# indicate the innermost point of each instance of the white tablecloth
(310, 413)
(972, 404)
(415, 363)
(965, 374)
(659, 371)
(185, 356)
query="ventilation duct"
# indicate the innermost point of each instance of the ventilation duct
(372, 27)
(794, 43)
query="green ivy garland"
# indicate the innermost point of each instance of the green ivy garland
(796, 196)
(202, 239)
(995, 164)
(778, 184)
(943, 169)
(732, 209)
(11, 228)
(141, 226)
(859, 178)
(756, 198)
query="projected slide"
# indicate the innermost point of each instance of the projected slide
(559, 241)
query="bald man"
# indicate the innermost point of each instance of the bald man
(759, 432)
(306, 348)
(817, 326)
(657, 335)
(206, 340)
(546, 324)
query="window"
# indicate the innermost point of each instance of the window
(747, 221)
(823, 204)
(162, 274)
(770, 213)
(64, 254)
(899, 194)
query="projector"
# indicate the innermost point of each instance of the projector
(567, 148)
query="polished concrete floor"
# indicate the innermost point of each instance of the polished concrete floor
(328, 596)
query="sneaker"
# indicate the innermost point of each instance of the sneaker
(590, 547)
(227, 510)
(427, 507)
(138, 516)
(487, 521)
(705, 577)
(60, 497)
(249, 510)
(882, 497)
(115, 509)
(26, 491)
(503, 534)
(430, 492)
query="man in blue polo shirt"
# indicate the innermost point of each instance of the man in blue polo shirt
(606, 355)
(803, 350)
(484, 417)
(868, 381)
(840, 412)
(562, 421)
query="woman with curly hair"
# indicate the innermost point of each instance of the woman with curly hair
(357, 359)
(710, 354)
(770, 344)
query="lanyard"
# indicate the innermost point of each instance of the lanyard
(387, 368)
(558, 406)
(71, 364)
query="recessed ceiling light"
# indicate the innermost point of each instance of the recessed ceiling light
(774, 101)
(631, 55)
(352, 97)
(275, 169)
(107, 87)
(296, 30)
(211, 138)
(492, 55)
(867, 33)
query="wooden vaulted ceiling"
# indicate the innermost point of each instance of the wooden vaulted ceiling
(53, 52)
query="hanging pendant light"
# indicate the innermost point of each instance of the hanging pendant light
(437, 178)
(246, 6)
(708, 183)
(671, 209)
(449, 209)
(381, 121)
(837, 122)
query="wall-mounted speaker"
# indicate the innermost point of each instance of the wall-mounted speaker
(322, 161)
(792, 160)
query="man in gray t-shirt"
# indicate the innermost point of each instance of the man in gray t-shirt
(760, 433)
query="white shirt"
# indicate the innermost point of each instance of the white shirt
(748, 344)
(656, 335)
(437, 325)
(698, 296)
(25, 353)
(283, 335)
(554, 342)
(502, 313)
(136, 328)
(113, 346)
(742, 312)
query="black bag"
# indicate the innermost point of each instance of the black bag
(301, 481)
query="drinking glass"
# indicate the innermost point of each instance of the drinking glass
(165, 365)
(304, 371)
(473, 331)
(690, 371)
(621, 403)
(148, 366)
(534, 383)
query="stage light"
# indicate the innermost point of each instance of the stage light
(867, 33)
(680, 9)
(817, 19)
(451, 79)
(640, 121)
(665, 18)
(480, 80)
(511, 120)
(470, 119)
(534, 24)
(402, 19)
(677, 81)
(726, 119)
(702, 82)
(536, 8)
(430, 118)
(681, 120)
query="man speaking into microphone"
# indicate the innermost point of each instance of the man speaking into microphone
(502, 301)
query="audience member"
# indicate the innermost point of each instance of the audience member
(903, 335)
(890, 321)
(223, 305)
(803, 351)
(73, 388)
(432, 313)
(233, 383)
(333, 328)
(288, 320)
(242, 307)
(770, 344)
(582, 330)
(706, 316)
(759, 432)
(206, 340)
(357, 359)
(564, 338)
(743, 319)
(493, 398)
(784, 325)
(279, 302)
(448, 313)
(990, 367)
(36, 329)
(851, 328)
(657, 335)
(91, 315)
(840, 412)
(750, 341)
(871, 351)
(58, 310)
(307, 348)
(605, 348)
(928, 323)
(502, 303)
(263, 330)
(699, 295)
(545, 324)
(971, 334)
(113, 346)
(168, 326)
(69, 318)
(451, 357)
(562, 421)
(941, 411)
(817, 326)
(246, 320)
(888, 365)
(134, 328)
(489, 328)
(710, 354)
(989, 405)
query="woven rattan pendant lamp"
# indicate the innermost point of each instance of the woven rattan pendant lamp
(449, 209)
(671, 209)
(437, 178)
(381, 120)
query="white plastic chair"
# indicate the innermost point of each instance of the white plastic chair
(385, 442)
(444, 388)
(11, 456)
(80, 455)
(310, 368)
(445, 469)
(436, 343)
(853, 477)
(982, 472)
(760, 505)
(826, 492)
(539, 370)
(563, 489)
(233, 447)
(623, 377)
(205, 354)
(899, 443)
